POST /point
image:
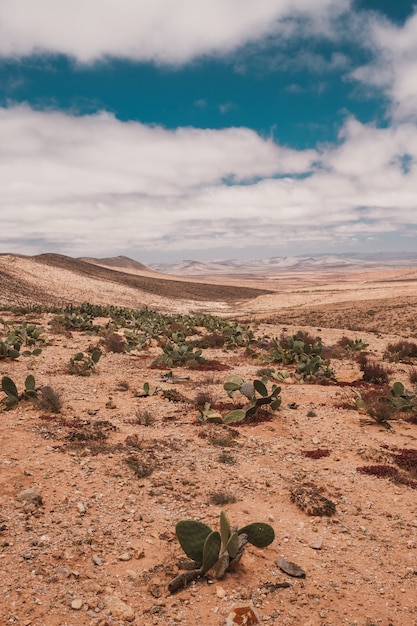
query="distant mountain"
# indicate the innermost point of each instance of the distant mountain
(117, 261)
(305, 263)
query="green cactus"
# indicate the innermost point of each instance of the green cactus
(8, 386)
(211, 551)
(249, 390)
(192, 535)
(8, 351)
(216, 551)
(84, 364)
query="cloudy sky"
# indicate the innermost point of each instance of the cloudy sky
(208, 129)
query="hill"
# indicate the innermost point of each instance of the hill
(55, 279)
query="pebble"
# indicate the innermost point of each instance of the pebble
(81, 508)
(124, 557)
(77, 604)
(30, 496)
(317, 544)
(242, 615)
(96, 560)
(220, 592)
(118, 608)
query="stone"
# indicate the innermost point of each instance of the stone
(30, 496)
(77, 604)
(118, 608)
(242, 616)
(317, 544)
(290, 568)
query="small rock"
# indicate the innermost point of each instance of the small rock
(315, 440)
(290, 568)
(124, 557)
(317, 544)
(63, 571)
(81, 508)
(77, 604)
(96, 560)
(242, 615)
(220, 592)
(118, 608)
(30, 496)
(131, 574)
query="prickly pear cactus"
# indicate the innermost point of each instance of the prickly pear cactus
(192, 535)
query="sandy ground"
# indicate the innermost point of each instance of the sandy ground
(95, 544)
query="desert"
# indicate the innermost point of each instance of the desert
(102, 456)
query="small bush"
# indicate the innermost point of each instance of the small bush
(144, 418)
(141, 468)
(114, 343)
(220, 498)
(401, 351)
(412, 376)
(213, 340)
(374, 372)
(204, 397)
(48, 399)
(226, 458)
(376, 408)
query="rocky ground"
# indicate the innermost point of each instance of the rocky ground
(90, 495)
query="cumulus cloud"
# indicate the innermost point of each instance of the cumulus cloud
(168, 31)
(393, 67)
(96, 185)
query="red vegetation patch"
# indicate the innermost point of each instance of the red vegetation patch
(380, 471)
(387, 471)
(407, 460)
(316, 454)
(259, 417)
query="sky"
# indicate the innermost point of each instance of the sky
(165, 130)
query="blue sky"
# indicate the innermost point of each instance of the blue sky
(225, 129)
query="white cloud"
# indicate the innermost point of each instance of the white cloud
(95, 185)
(169, 31)
(393, 67)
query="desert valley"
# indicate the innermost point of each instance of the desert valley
(133, 399)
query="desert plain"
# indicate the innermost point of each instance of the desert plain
(90, 494)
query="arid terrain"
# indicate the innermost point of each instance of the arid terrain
(97, 470)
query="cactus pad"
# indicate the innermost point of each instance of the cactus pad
(258, 534)
(211, 551)
(192, 535)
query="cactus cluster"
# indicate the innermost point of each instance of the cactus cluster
(216, 551)
(174, 354)
(19, 335)
(304, 353)
(84, 364)
(257, 395)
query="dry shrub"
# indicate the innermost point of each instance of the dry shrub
(412, 376)
(212, 340)
(401, 351)
(113, 342)
(220, 498)
(373, 372)
(48, 399)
